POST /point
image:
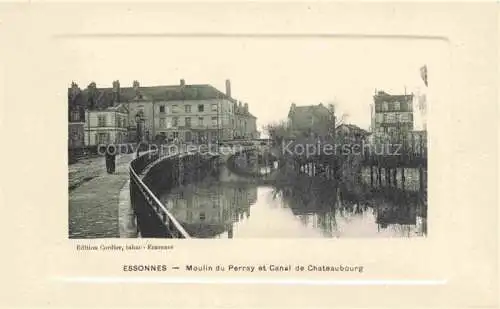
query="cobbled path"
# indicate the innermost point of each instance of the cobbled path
(94, 197)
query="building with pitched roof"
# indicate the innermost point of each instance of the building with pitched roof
(306, 121)
(95, 118)
(393, 122)
(107, 125)
(186, 112)
(76, 121)
(392, 114)
(245, 123)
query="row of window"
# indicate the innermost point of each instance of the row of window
(102, 121)
(389, 130)
(384, 133)
(394, 117)
(187, 108)
(104, 138)
(393, 106)
(188, 135)
(174, 122)
(200, 121)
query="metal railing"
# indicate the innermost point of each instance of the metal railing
(154, 220)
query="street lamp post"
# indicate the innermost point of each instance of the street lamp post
(88, 128)
(138, 120)
(218, 123)
(218, 126)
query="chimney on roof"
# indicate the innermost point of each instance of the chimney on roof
(74, 89)
(116, 91)
(183, 82)
(245, 108)
(116, 86)
(136, 86)
(228, 88)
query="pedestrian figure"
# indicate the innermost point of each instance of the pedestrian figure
(110, 159)
(107, 157)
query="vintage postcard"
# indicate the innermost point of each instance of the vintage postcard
(271, 152)
(306, 152)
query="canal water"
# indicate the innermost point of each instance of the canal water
(231, 206)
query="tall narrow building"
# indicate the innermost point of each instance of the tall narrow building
(392, 114)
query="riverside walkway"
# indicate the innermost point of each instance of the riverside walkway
(94, 197)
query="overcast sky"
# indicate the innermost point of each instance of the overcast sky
(268, 73)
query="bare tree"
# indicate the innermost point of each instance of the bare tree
(333, 120)
(337, 119)
(342, 119)
(280, 130)
(277, 131)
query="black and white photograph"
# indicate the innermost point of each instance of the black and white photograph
(325, 137)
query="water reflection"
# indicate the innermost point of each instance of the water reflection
(210, 208)
(353, 211)
(301, 207)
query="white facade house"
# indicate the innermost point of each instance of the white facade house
(190, 113)
(106, 126)
(185, 119)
